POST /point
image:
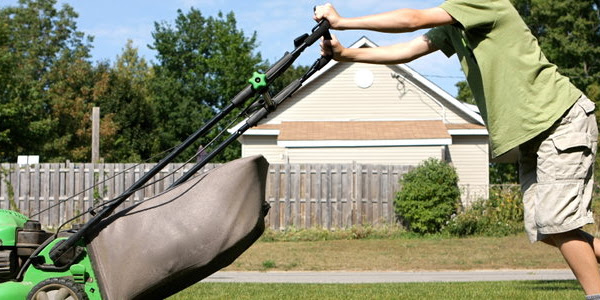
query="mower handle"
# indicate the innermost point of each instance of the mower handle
(321, 29)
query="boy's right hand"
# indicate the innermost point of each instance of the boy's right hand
(332, 47)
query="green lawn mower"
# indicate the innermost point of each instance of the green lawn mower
(160, 246)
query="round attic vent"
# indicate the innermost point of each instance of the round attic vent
(363, 78)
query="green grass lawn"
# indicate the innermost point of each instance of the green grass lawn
(468, 290)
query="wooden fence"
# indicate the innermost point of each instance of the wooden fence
(301, 196)
(55, 193)
(332, 196)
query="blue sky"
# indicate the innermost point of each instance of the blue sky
(276, 22)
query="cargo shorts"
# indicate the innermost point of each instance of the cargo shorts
(556, 173)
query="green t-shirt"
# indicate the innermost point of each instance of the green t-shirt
(519, 93)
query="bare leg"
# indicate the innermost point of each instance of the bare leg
(581, 255)
(594, 242)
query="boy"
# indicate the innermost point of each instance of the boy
(524, 101)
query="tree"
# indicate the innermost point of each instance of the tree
(464, 92)
(126, 102)
(39, 43)
(202, 64)
(75, 89)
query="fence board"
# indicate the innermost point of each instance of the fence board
(308, 196)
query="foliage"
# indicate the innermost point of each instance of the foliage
(127, 103)
(504, 173)
(464, 92)
(200, 61)
(428, 197)
(77, 86)
(501, 215)
(48, 85)
(38, 44)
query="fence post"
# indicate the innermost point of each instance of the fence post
(95, 134)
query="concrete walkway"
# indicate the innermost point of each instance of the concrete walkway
(390, 277)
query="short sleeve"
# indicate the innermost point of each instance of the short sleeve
(441, 39)
(472, 13)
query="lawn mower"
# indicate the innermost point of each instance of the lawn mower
(158, 247)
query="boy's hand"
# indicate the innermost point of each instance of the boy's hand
(328, 12)
(332, 47)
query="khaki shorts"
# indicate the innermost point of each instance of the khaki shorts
(556, 173)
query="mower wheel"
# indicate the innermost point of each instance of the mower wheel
(57, 289)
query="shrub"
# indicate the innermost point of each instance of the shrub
(501, 215)
(428, 197)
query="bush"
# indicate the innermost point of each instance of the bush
(428, 197)
(501, 215)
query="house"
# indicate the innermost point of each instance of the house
(374, 114)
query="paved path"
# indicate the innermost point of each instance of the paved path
(389, 277)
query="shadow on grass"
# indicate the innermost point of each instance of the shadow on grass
(552, 285)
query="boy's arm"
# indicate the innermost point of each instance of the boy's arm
(394, 54)
(401, 20)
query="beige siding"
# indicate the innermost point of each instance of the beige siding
(469, 155)
(366, 155)
(265, 145)
(335, 96)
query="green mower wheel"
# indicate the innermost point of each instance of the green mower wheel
(57, 289)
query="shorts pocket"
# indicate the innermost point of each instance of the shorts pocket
(574, 156)
(557, 204)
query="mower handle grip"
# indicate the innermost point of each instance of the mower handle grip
(321, 30)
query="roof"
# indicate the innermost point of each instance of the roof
(362, 130)
(357, 133)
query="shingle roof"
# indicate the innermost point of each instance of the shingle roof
(359, 130)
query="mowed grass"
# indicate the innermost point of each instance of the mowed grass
(471, 290)
(398, 254)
